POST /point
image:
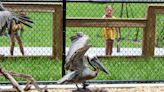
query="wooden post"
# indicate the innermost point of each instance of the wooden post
(57, 32)
(149, 34)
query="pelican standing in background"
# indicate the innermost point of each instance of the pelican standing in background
(77, 63)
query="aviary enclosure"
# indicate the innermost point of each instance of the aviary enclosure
(140, 58)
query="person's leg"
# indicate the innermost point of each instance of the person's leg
(106, 47)
(20, 44)
(12, 43)
(109, 47)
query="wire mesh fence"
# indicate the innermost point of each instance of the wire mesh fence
(131, 37)
(38, 40)
(131, 40)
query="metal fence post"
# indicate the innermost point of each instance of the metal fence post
(64, 37)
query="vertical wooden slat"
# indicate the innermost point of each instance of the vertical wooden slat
(53, 36)
(149, 34)
(57, 32)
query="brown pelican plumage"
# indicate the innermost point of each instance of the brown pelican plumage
(79, 46)
(85, 73)
(77, 63)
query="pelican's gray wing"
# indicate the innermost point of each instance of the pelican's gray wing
(79, 53)
(69, 78)
(79, 42)
(76, 61)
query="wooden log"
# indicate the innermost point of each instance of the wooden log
(12, 80)
(29, 78)
(27, 87)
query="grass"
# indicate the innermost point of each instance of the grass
(45, 69)
(40, 68)
(134, 69)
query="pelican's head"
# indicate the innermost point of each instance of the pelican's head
(95, 62)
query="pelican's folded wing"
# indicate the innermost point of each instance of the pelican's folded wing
(68, 78)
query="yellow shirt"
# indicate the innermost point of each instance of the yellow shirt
(109, 32)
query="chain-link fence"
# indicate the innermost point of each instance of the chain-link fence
(131, 37)
(39, 41)
(131, 42)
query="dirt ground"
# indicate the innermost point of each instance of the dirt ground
(133, 89)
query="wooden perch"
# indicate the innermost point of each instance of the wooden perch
(17, 87)
(12, 80)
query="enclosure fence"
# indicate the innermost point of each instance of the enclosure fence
(141, 36)
(136, 39)
(46, 31)
(43, 40)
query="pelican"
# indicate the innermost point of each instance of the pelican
(85, 73)
(77, 63)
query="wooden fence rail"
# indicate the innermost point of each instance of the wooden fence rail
(100, 22)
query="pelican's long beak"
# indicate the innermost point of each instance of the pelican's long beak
(96, 62)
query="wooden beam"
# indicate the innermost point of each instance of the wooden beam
(57, 33)
(31, 6)
(148, 46)
(100, 22)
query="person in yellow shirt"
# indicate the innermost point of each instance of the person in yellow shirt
(109, 32)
